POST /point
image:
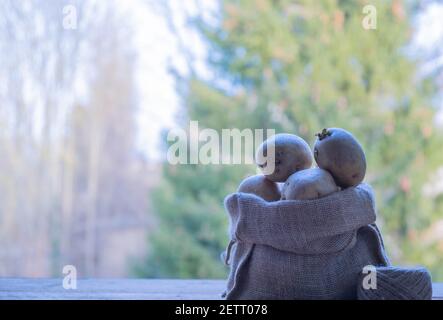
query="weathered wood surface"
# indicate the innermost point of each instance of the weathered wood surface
(99, 289)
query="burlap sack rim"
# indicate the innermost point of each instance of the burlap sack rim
(346, 210)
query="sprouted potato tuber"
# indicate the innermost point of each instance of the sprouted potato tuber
(337, 151)
(309, 184)
(291, 154)
(260, 186)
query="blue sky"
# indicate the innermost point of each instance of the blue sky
(157, 47)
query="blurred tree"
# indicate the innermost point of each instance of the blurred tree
(106, 185)
(36, 71)
(70, 173)
(299, 67)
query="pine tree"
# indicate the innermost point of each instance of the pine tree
(299, 67)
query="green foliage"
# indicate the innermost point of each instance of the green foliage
(299, 67)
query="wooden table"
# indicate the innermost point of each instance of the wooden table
(99, 289)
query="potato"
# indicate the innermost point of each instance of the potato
(337, 151)
(260, 186)
(309, 184)
(291, 154)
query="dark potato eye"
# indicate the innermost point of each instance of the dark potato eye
(262, 165)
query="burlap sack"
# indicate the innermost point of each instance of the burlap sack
(396, 283)
(302, 249)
